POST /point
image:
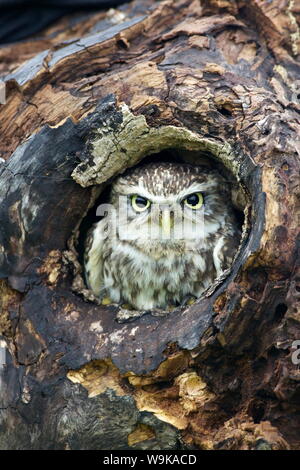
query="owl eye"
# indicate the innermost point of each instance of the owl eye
(194, 201)
(139, 203)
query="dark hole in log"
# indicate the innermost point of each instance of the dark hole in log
(275, 352)
(259, 365)
(280, 311)
(266, 131)
(240, 216)
(161, 385)
(122, 44)
(257, 411)
(225, 111)
(265, 394)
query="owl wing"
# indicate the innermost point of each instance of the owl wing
(225, 250)
(93, 256)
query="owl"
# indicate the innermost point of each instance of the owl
(168, 231)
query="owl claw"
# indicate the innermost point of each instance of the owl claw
(106, 301)
(126, 307)
(188, 300)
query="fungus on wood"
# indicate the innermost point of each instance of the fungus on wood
(201, 80)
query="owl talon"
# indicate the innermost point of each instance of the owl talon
(106, 301)
(127, 307)
(170, 308)
(191, 301)
(188, 300)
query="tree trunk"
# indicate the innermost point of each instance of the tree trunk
(216, 78)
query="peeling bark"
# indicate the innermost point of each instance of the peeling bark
(215, 80)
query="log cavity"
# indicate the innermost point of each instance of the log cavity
(238, 194)
(112, 149)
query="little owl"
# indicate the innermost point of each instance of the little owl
(168, 231)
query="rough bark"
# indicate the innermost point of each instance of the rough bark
(217, 77)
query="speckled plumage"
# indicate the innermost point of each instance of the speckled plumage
(154, 273)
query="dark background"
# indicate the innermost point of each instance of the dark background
(20, 19)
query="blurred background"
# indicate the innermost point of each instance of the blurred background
(20, 19)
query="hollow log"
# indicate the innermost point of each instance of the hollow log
(217, 79)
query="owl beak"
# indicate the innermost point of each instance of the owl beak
(166, 222)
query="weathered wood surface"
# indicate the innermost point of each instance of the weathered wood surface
(220, 77)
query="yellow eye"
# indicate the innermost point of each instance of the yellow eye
(139, 203)
(194, 201)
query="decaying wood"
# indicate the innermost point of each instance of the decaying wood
(218, 78)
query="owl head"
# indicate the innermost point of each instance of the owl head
(169, 203)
